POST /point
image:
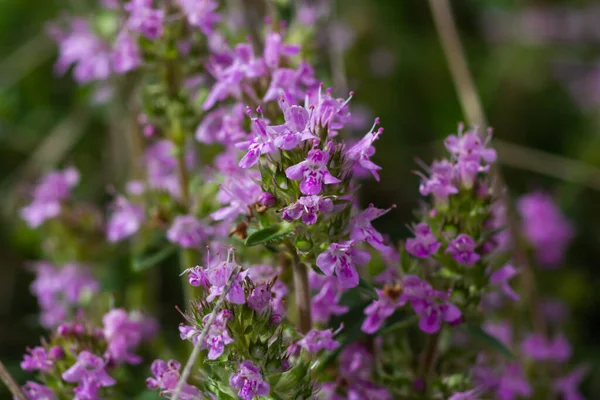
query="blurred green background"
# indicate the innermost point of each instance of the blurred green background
(536, 65)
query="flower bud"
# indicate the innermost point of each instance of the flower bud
(267, 199)
(304, 245)
(258, 350)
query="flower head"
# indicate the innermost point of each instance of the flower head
(462, 249)
(50, 191)
(144, 19)
(424, 244)
(340, 259)
(362, 151)
(316, 340)
(312, 172)
(546, 228)
(166, 377)
(249, 381)
(125, 220)
(307, 207)
(187, 231)
(362, 229)
(35, 391)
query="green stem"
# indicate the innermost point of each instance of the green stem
(302, 293)
(428, 358)
(187, 260)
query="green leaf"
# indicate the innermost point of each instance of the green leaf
(366, 288)
(478, 333)
(146, 261)
(268, 234)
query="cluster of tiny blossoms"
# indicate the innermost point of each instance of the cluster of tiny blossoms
(80, 359)
(246, 152)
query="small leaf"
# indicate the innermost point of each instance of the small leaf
(368, 289)
(146, 261)
(270, 233)
(478, 333)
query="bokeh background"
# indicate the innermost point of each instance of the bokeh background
(536, 65)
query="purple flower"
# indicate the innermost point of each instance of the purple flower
(260, 298)
(468, 395)
(201, 13)
(59, 291)
(237, 193)
(513, 384)
(327, 301)
(470, 151)
(341, 258)
(262, 143)
(440, 183)
(327, 112)
(241, 65)
(424, 244)
(88, 367)
(462, 249)
(267, 199)
(82, 48)
(125, 220)
(356, 362)
(567, 386)
(48, 194)
(218, 276)
(166, 376)
(197, 277)
(470, 143)
(501, 277)
(123, 334)
(126, 54)
(382, 308)
(362, 151)
(35, 391)
(538, 348)
(144, 19)
(308, 208)
(187, 231)
(545, 227)
(312, 172)
(275, 48)
(217, 337)
(291, 84)
(296, 128)
(161, 167)
(224, 125)
(434, 307)
(316, 340)
(249, 381)
(37, 359)
(362, 229)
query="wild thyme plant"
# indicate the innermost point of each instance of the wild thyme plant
(247, 173)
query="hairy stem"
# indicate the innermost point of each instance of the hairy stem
(302, 293)
(10, 383)
(473, 110)
(196, 352)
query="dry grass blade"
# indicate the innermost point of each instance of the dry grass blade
(10, 383)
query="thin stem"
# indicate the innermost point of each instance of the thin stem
(302, 293)
(196, 352)
(428, 358)
(472, 107)
(10, 383)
